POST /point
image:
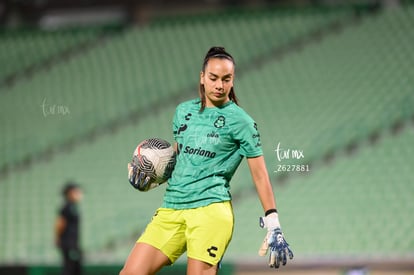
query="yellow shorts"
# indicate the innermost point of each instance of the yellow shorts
(203, 232)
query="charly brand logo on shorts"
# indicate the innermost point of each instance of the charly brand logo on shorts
(220, 122)
(210, 253)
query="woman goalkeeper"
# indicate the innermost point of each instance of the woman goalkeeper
(212, 135)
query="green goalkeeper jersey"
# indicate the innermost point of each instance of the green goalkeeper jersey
(211, 145)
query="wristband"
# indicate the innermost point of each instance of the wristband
(270, 211)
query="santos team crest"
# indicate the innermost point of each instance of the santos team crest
(220, 122)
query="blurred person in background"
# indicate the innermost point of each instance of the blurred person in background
(67, 230)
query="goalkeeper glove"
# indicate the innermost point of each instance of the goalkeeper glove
(275, 241)
(138, 179)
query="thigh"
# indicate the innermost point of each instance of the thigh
(209, 231)
(144, 259)
(166, 232)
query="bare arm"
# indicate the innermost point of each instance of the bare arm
(262, 182)
(280, 248)
(60, 226)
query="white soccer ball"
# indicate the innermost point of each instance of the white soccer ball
(156, 158)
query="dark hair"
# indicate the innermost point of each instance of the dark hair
(69, 186)
(215, 52)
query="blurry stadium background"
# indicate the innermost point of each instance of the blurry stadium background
(82, 82)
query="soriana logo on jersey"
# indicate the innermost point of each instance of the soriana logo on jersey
(199, 152)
